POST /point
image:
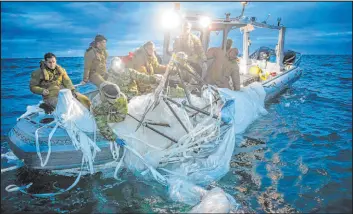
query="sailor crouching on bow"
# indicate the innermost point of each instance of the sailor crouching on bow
(109, 106)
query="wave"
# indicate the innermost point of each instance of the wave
(327, 65)
(345, 78)
(22, 74)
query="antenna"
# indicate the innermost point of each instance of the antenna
(244, 3)
(227, 17)
(279, 21)
(268, 16)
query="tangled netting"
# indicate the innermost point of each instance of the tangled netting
(182, 143)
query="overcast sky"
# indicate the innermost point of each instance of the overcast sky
(30, 29)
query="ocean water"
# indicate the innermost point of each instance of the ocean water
(300, 158)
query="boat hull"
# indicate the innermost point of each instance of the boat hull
(63, 154)
(278, 84)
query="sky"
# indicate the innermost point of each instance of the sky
(30, 29)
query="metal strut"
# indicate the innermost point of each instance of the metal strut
(153, 129)
(172, 110)
(191, 107)
(186, 91)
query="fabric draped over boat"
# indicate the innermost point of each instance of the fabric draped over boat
(77, 121)
(204, 144)
(201, 155)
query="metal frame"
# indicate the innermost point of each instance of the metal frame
(226, 25)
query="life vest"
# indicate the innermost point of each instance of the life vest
(50, 78)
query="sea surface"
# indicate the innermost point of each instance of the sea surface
(300, 158)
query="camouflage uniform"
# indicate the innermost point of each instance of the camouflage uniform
(192, 46)
(95, 66)
(176, 92)
(53, 81)
(106, 112)
(146, 64)
(128, 80)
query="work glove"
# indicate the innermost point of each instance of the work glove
(74, 93)
(120, 142)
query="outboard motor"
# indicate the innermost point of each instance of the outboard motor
(289, 57)
(264, 53)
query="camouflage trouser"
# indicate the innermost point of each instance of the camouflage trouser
(97, 78)
(146, 88)
(53, 101)
(176, 92)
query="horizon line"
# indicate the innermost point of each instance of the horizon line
(121, 56)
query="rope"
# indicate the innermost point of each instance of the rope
(14, 188)
(119, 165)
(10, 168)
(37, 144)
(160, 178)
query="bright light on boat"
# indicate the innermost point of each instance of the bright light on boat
(170, 20)
(205, 21)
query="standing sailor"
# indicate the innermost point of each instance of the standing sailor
(192, 46)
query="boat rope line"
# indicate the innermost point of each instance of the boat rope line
(19, 164)
(49, 143)
(14, 188)
(73, 130)
(118, 166)
(11, 168)
(160, 178)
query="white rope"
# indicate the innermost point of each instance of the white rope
(37, 143)
(154, 172)
(13, 187)
(49, 145)
(119, 165)
(10, 168)
(135, 138)
(114, 150)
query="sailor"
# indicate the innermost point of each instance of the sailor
(128, 78)
(145, 61)
(218, 57)
(109, 106)
(49, 79)
(229, 44)
(224, 67)
(96, 55)
(192, 46)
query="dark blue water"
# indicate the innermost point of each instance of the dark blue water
(300, 162)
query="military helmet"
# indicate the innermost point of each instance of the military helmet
(110, 90)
